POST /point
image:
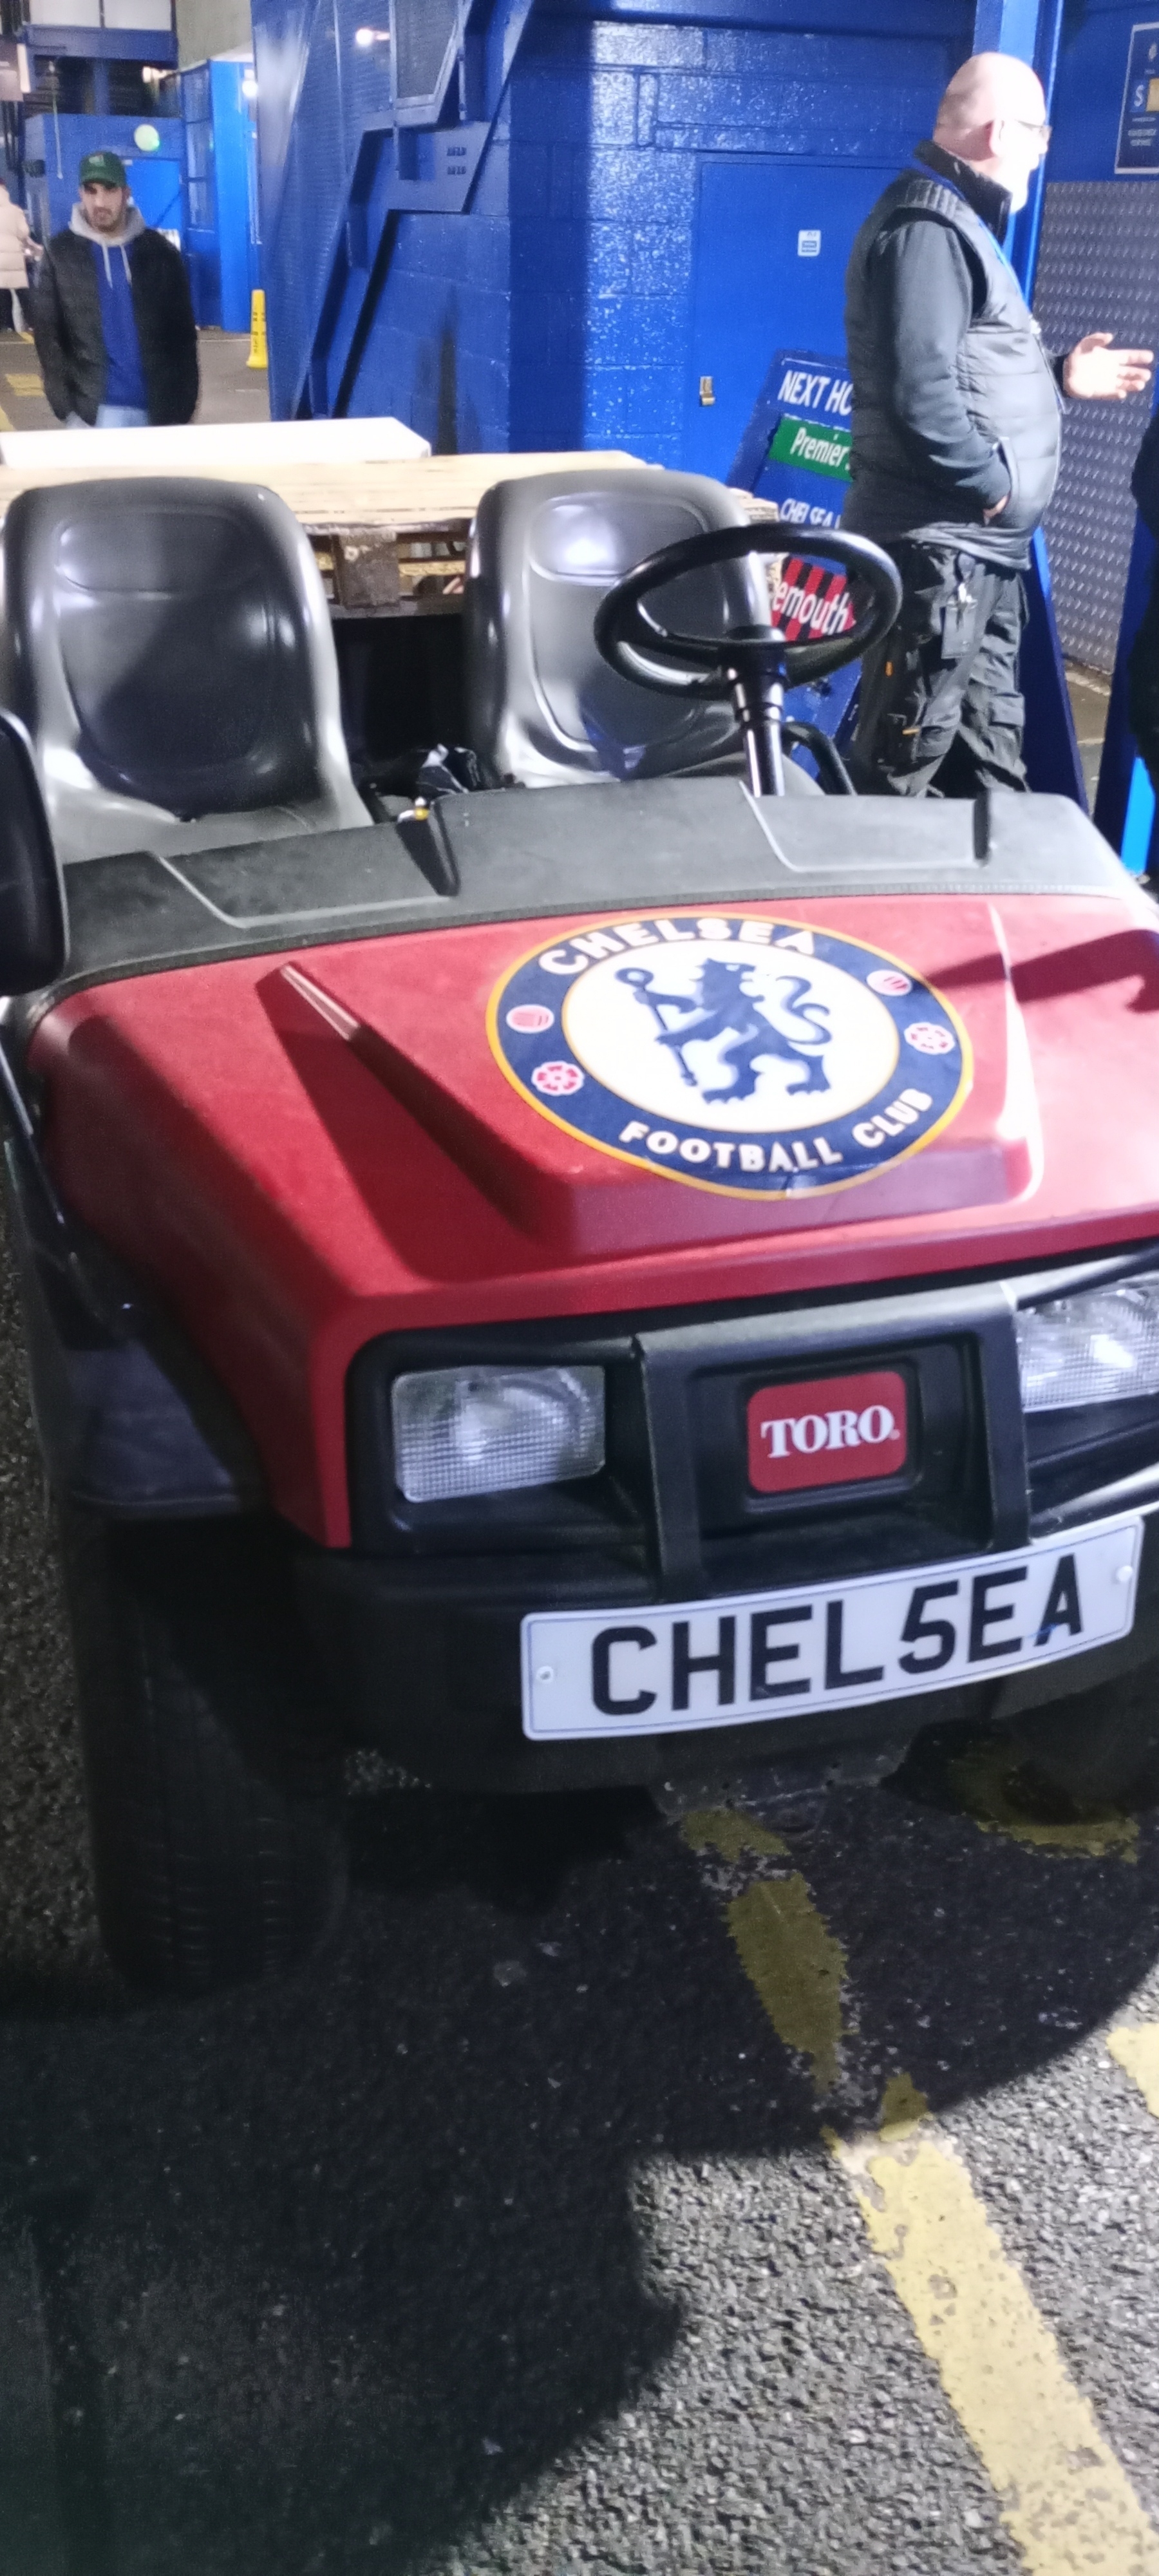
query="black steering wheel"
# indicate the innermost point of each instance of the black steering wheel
(752, 665)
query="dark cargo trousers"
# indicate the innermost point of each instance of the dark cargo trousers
(1143, 684)
(940, 706)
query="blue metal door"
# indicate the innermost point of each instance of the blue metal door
(772, 242)
(156, 186)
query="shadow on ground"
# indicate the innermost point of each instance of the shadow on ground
(317, 2276)
(355, 2258)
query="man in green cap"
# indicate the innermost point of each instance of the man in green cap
(111, 313)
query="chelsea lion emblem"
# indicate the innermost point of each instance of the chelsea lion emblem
(730, 1050)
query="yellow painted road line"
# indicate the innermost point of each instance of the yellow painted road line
(25, 385)
(727, 1831)
(5, 423)
(986, 1779)
(1064, 2498)
(791, 1958)
(1137, 2051)
(797, 1968)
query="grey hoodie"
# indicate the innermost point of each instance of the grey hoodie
(133, 224)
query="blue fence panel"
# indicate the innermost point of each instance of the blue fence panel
(60, 143)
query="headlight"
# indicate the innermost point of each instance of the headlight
(1099, 1348)
(486, 1430)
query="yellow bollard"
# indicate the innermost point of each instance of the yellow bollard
(258, 356)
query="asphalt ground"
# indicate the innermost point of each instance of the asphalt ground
(550, 2222)
(230, 389)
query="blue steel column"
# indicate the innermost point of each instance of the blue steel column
(1032, 29)
(1125, 803)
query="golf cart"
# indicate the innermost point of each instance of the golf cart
(634, 1268)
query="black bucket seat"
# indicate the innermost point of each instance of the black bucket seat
(543, 707)
(167, 643)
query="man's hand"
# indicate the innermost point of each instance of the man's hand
(1096, 372)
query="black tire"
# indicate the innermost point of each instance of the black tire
(212, 1781)
(1100, 1748)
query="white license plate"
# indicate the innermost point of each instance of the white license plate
(763, 1655)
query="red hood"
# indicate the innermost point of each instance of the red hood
(302, 1152)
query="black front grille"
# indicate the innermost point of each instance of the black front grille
(674, 1506)
(1083, 1448)
(963, 1488)
(937, 1504)
(674, 1497)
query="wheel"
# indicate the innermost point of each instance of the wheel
(212, 1782)
(752, 665)
(1100, 1748)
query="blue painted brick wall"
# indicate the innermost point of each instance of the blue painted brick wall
(438, 356)
(556, 311)
(636, 106)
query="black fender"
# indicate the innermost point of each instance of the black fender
(129, 1418)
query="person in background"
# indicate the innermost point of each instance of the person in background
(111, 313)
(956, 438)
(15, 239)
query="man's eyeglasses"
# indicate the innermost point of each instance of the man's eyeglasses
(1041, 132)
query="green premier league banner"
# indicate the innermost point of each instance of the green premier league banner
(795, 452)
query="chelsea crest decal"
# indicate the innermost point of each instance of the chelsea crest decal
(733, 1051)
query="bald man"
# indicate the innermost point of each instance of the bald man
(956, 437)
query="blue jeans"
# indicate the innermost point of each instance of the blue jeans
(111, 416)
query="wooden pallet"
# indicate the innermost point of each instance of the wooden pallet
(376, 571)
(390, 537)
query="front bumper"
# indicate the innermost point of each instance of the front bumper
(419, 1625)
(426, 1665)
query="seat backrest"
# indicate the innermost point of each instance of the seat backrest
(542, 704)
(168, 639)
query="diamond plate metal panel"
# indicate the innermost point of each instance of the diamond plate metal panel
(1098, 270)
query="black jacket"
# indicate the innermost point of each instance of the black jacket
(955, 402)
(66, 325)
(1145, 479)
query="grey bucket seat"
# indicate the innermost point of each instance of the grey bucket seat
(167, 643)
(543, 707)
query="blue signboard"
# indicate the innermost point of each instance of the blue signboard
(1137, 154)
(795, 450)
